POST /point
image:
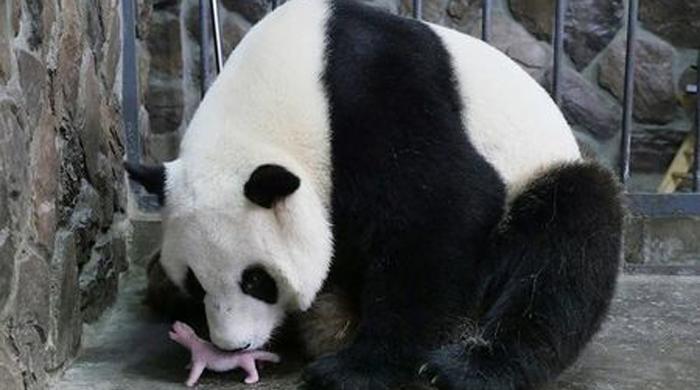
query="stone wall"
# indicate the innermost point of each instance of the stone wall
(595, 47)
(62, 193)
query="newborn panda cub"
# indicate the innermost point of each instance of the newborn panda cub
(380, 176)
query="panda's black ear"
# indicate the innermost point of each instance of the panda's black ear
(152, 178)
(269, 183)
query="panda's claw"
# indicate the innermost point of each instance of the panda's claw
(422, 369)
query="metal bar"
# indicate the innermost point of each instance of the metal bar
(664, 205)
(696, 154)
(217, 35)
(486, 20)
(130, 96)
(418, 9)
(626, 143)
(204, 45)
(558, 49)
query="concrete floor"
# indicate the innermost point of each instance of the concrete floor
(651, 341)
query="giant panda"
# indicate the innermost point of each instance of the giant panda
(399, 174)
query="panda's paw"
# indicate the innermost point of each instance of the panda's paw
(343, 371)
(456, 368)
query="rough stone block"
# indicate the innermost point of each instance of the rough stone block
(65, 302)
(590, 24)
(663, 241)
(654, 88)
(675, 20)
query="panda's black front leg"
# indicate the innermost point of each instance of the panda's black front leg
(404, 304)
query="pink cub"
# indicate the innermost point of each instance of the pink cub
(206, 355)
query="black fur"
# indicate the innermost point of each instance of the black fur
(420, 240)
(270, 183)
(548, 282)
(152, 178)
(412, 200)
(193, 287)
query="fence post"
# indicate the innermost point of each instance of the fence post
(559, 22)
(486, 21)
(626, 142)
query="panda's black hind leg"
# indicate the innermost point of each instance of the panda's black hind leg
(551, 276)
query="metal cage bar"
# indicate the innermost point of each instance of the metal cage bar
(417, 9)
(214, 4)
(558, 49)
(130, 94)
(696, 151)
(486, 12)
(626, 142)
(204, 45)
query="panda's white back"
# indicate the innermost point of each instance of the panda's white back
(509, 118)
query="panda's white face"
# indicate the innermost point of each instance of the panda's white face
(253, 248)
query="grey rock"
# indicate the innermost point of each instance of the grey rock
(70, 45)
(8, 377)
(65, 302)
(15, 159)
(32, 79)
(590, 24)
(144, 69)
(43, 180)
(252, 10)
(71, 170)
(7, 250)
(654, 88)
(163, 147)
(98, 279)
(678, 21)
(85, 220)
(586, 108)
(511, 38)
(89, 117)
(233, 28)
(34, 10)
(94, 26)
(164, 43)
(144, 10)
(165, 103)
(32, 306)
(16, 15)
(29, 326)
(6, 36)
(111, 47)
(653, 149)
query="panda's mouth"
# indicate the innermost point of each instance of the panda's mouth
(234, 350)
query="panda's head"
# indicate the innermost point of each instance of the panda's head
(252, 242)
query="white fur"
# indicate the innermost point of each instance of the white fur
(267, 106)
(510, 119)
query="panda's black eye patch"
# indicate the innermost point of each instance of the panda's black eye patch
(257, 283)
(193, 287)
